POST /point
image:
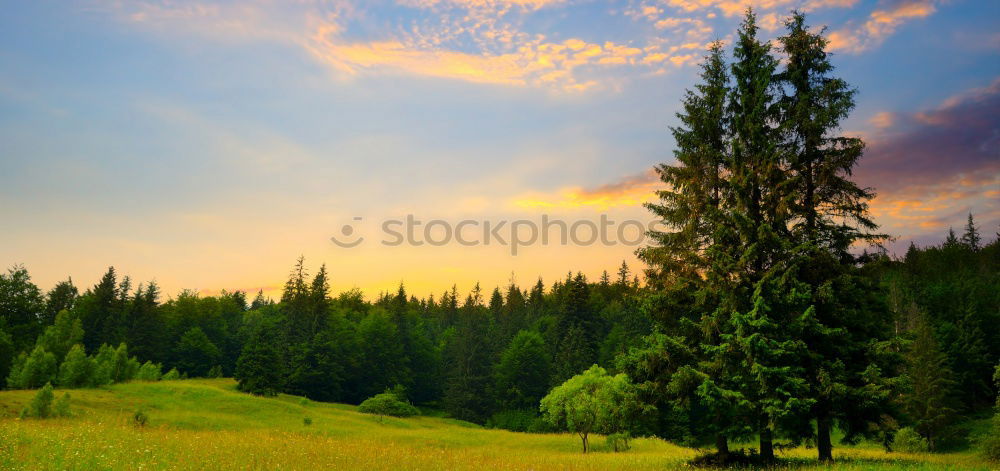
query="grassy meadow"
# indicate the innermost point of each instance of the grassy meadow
(207, 424)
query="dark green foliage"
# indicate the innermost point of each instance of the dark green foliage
(522, 375)
(40, 406)
(387, 403)
(930, 402)
(6, 356)
(323, 366)
(953, 288)
(61, 297)
(468, 357)
(383, 363)
(145, 327)
(195, 353)
(21, 307)
(259, 369)
(100, 311)
(515, 420)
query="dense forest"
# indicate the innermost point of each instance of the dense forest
(759, 316)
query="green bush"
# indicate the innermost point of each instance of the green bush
(61, 407)
(123, 367)
(41, 405)
(909, 441)
(989, 443)
(214, 372)
(989, 447)
(307, 421)
(387, 403)
(149, 371)
(171, 375)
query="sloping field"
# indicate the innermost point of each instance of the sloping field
(207, 424)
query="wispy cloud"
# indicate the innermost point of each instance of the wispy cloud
(632, 190)
(477, 41)
(880, 24)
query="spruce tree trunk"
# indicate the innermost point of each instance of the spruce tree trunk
(766, 445)
(823, 444)
(722, 445)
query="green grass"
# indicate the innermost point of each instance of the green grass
(207, 424)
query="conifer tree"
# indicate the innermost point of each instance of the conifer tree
(260, 368)
(930, 400)
(763, 353)
(687, 267)
(468, 363)
(98, 311)
(522, 375)
(971, 237)
(829, 215)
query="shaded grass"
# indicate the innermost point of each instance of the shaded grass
(207, 424)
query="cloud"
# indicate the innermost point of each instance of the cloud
(478, 41)
(632, 190)
(531, 4)
(536, 62)
(931, 168)
(738, 7)
(958, 142)
(882, 120)
(880, 24)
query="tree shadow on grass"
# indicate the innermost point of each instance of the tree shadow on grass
(743, 459)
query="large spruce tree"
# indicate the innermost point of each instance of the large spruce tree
(829, 216)
(767, 323)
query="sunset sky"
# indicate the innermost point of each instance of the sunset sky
(207, 145)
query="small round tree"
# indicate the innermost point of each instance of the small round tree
(593, 402)
(387, 403)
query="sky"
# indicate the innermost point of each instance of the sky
(208, 145)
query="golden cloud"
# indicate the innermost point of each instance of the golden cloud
(534, 62)
(879, 25)
(629, 191)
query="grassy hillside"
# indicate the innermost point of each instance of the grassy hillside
(206, 424)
